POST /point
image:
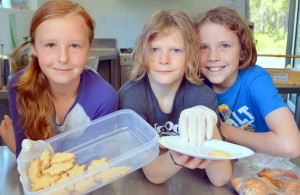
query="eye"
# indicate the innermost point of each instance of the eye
(225, 45)
(176, 51)
(50, 45)
(155, 50)
(75, 46)
(203, 47)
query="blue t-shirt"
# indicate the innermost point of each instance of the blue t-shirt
(95, 98)
(249, 100)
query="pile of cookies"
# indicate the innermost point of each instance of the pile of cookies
(269, 181)
(49, 170)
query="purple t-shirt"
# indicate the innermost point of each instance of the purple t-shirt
(95, 98)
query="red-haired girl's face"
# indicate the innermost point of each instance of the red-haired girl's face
(62, 47)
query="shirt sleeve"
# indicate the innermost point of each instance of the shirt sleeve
(131, 98)
(19, 135)
(265, 95)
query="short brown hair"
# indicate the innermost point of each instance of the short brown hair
(233, 22)
(154, 26)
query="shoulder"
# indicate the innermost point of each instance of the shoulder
(92, 80)
(95, 86)
(132, 87)
(203, 89)
(200, 95)
(255, 71)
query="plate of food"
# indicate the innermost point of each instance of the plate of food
(210, 149)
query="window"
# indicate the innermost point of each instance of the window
(276, 27)
(271, 28)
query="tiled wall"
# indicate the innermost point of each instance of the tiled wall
(123, 19)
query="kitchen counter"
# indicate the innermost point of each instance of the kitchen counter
(185, 181)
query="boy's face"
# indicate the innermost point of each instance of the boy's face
(62, 47)
(220, 53)
(168, 59)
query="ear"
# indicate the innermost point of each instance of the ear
(33, 51)
(243, 55)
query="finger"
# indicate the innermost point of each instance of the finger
(193, 163)
(192, 126)
(183, 128)
(209, 127)
(7, 121)
(161, 146)
(204, 164)
(179, 158)
(2, 128)
(201, 128)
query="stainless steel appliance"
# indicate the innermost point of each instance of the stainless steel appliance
(125, 63)
(104, 59)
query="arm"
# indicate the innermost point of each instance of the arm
(7, 133)
(283, 140)
(219, 173)
(162, 168)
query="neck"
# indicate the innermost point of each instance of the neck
(165, 94)
(64, 92)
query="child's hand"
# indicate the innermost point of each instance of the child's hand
(7, 133)
(196, 123)
(190, 162)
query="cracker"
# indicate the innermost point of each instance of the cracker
(63, 177)
(58, 168)
(61, 157)
(112, 173)
(34, 170)
(77, 169)
(219, 154)
(96, 163)
(84, 185)
(45, 158)
(43, 182)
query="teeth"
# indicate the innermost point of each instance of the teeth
(215, 68)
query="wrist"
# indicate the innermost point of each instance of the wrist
(174, 160)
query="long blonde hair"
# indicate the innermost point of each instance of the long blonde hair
(154, 26)
(233, 22)
(33, 100)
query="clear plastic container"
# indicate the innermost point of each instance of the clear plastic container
(123, 137)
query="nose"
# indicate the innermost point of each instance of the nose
(164, 58)
(62, 56)
(213, 55)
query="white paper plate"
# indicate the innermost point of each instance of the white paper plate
(177, 144)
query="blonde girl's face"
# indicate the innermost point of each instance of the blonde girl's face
(220, 53)
(62, 47)
(168, 59)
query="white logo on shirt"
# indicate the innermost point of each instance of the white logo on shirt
(168, 129)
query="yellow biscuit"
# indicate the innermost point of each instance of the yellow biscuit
(58, 168)
(77, 169)
(97, 162)
(112, 173)
(219, 154)
(45, 158)
(44, 182)
(60, 157)
(63, 177)
(34, 170)
(84, 185)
